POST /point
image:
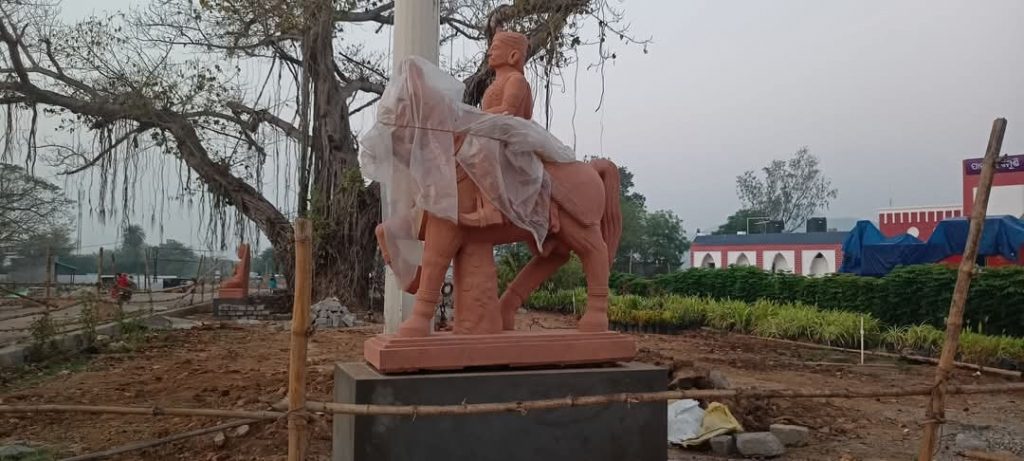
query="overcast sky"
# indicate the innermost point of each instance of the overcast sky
(890, 95)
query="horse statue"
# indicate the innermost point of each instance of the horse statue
(513, 182)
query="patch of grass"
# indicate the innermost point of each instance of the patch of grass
(40, 454)
(32, 374)
(44, 338)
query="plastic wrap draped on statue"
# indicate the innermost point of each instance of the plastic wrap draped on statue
(410, 150)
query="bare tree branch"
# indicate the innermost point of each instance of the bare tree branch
(103, 153)
(265, 116)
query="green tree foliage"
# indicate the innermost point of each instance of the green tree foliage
(265, 262)
(30, 252)
(738, 222)
(787, 190)
(652, 242)
(131, 253)
(29, 208)
(664, 240)
(511, 259)
(173, 258)
(56, 240)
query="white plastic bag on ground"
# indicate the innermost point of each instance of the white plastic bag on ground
(684, 420)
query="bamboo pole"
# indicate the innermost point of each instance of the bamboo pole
(300, 325)
(984, 456)
(632, 398)
(135, 446)
(144, 411)
(521, 407)
(994, 456)
(936, 411)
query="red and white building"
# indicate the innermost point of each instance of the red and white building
(820, 253)
(919, 222)
(814, 253)
(1007, 198)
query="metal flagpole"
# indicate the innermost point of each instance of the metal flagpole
(416, 32)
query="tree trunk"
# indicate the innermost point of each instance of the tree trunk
(344, 210)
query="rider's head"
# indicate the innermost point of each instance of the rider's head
(507, 49)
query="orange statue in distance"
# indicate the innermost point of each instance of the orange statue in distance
(237, 287)
(583, 216)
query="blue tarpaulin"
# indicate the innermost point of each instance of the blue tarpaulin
(867, 252)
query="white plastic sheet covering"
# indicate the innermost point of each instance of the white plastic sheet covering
(410, 150)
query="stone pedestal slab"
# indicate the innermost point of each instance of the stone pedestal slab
(635, 432)
(448, 351)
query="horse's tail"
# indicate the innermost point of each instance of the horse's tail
(611, 221)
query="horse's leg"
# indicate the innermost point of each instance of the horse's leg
(442, 240)
(527, 280)
(588, 243)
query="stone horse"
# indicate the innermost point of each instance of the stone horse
(585, 219)
(585, 200)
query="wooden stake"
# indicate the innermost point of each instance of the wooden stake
(49, 271)
(145, 275)
(195, 285)
(300, 325)
(99, 273)
(862, 340)
(936, 411)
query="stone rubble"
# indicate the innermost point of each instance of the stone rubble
(723, 445)
(240, 431)
(759, 444)
(330, 313)
(790, 435)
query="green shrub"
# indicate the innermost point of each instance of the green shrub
(796, 321)
(563, 301)
(910, 295)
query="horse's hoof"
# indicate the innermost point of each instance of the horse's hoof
(414, 327)
(508, 315)
(593, 323)
(508, 321)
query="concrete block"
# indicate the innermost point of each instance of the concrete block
(723, 445)
(636, 432)
(763, 444)
(789, 435)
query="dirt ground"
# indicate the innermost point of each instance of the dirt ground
(232, 366)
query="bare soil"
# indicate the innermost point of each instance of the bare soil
(232, 366)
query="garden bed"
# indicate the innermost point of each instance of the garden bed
(793, 321)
